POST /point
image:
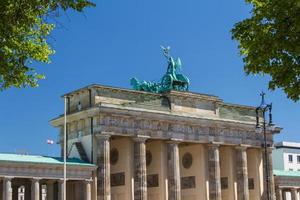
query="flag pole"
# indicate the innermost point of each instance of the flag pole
(65, 152)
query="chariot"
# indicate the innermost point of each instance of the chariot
(172, 80)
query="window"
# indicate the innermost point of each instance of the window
(290, 158)
(290, 169)
(298, 159)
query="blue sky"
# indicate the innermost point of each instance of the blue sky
(118, 40)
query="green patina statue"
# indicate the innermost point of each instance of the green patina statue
(172, 80)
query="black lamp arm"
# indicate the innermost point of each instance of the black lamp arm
(270, 115)
(257, 117)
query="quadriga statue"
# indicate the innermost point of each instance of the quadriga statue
(172, 80)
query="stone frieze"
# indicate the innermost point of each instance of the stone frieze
(164, 129)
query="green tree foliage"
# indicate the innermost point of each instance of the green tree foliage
(24, 28)
(269, 42)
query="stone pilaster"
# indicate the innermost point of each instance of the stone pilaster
(140, 174)
(103, 171)
(279, 194)
(295, 195)
(173, 167)
(35, 189)
(7, 188)
(214, 172)
(88, 192)
(242, 173)
(272, 193)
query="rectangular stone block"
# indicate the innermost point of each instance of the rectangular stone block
(188, 182)
(117, 179)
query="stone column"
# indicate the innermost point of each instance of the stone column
(94, 186)
(103, 171)
(140, 174)
(35, 189)
(295, 195)
(50, 190)
(87, 187)
(60, 185)
(173, 167)
(270, 173)
(214, 172)
(272, 182)
(284, 194)
(279, 194)
(242, 173)
(7, 189)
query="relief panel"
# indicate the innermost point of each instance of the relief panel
(117, 179)
(188, 182)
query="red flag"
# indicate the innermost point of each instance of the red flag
(49, 141)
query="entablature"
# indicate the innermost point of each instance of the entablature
(44, 171)
(118, 120)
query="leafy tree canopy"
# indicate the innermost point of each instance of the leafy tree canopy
(24, 27)
(269, 42)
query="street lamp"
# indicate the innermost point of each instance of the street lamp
(265, 108)
(65, 151)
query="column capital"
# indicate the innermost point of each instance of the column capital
(174, 141)
(102, 136)
(140, 138)
(87, 181)
(7, 177)
(241, 147)
(61, 180)
(214, 145)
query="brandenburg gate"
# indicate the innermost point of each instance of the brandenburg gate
(159, 141)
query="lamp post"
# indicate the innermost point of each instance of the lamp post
(264, 108)
(65, 152)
